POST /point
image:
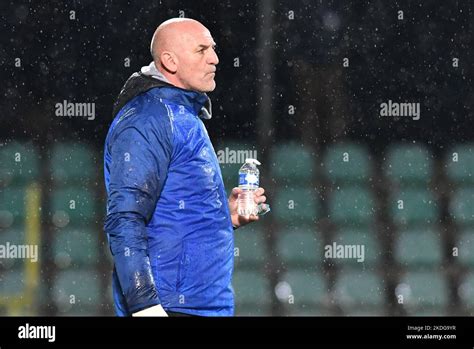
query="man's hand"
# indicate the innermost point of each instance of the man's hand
(238, 221)
(156, 310)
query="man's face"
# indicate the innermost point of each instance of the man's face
(197, 61)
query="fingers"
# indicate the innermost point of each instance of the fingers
(253, 218)
(236, 191)
(260, 199)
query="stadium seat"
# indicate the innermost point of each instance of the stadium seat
(77, 248)
(310, 311)
(19, 163)
(72, 163)
(462, 206)
(307, 289)
(12, 206)
(297, 205)
(351, 206)
(292, 163)
(249, 247)
(409, 164)
(419, 247)
(12, 236)
(77, 292)
(429, 311)
(414, 206)
(466, 291)
(422, 290)
(301, 246)
(252, 310)
(359, 237)
(366, 312)
(74, 206)
(459, 163)
(347, 162)
(251, 289)
(465, 246)
(12, 282)
(356, 288)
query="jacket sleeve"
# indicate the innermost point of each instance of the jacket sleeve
(140, 157)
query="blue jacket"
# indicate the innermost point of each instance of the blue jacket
(168, 221)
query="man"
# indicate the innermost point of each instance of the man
(169, 223)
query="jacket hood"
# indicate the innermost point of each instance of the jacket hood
(147, 78)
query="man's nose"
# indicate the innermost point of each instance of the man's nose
(213, 59)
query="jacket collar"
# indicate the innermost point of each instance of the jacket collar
(198, 102)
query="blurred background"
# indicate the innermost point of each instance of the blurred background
(301, 84)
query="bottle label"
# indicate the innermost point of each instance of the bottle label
(248, 181)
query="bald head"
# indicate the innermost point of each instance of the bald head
(169, 34)
(183, 50)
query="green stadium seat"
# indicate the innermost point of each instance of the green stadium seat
(300, 246)
(356, 288)
(292, 163)
(12, 283)
(419, 247)
(428, 312)
(77, 292)
(15, 236)
(466, 291)
(73, 163)
(72, 205)
(366, 312)
(459, 164)
(414, 206)
(409, 164)
(249, 247)
(252, 310)
(347, 162)
(78, 248)
(251, 289)
(462, 206)
(304, 290)
(297, 205)
(310, 311)
(359, 237)
(422, 290)
(19, 163)
(12, 206)
(351, 206)
(465, 247)
(12, 236)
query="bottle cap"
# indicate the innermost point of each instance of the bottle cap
(252, 161)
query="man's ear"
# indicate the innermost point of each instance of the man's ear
(169, 61)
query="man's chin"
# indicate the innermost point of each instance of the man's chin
(209, 88)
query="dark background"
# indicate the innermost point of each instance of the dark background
(408, 60)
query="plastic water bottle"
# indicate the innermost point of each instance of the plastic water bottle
(248, 182)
